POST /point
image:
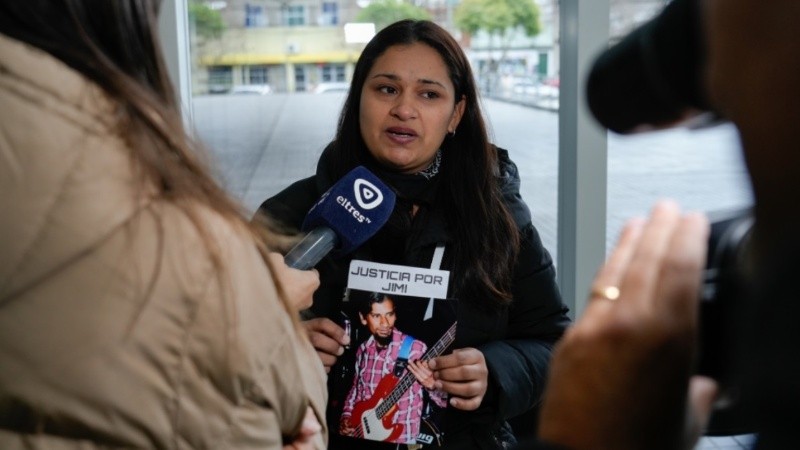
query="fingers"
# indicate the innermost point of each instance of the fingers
(661, 256)
(419, 368)
(462, 374)
(611, 272)
(327, 338)
(421, 372)
(298, 285)
(639, 282)
(681, 275)
(658, 267)
(635, 352)
(328, 329)
(459, 357)
(310, 425)
(703, 392)
(463, 395)
(309, 428)
(344, 426)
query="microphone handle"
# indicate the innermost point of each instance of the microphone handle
(309, 251)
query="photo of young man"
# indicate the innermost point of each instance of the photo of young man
(386, 356)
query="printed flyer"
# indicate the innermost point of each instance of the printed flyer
(381, 387)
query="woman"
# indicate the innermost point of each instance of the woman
(137, 305)
(412, 117)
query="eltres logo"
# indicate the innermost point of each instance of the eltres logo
(367, 195)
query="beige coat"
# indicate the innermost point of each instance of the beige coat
(115, 328)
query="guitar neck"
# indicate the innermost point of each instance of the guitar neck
(408, 378)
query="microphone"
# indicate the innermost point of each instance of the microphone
(348, 214)
(652, 78)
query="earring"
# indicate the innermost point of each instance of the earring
(452, 133)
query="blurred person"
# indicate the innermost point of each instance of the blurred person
(412, 116)
(622, 376)
(138, 307)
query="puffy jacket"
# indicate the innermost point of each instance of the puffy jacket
(116, 330)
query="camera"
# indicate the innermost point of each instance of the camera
(727, 286)
(652, 79)
(726, 283)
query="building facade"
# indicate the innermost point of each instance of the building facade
(299, 45)
(289, 45)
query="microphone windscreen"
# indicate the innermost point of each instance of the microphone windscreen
(355, 208)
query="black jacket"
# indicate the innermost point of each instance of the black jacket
(516, 341)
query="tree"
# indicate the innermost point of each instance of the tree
(386, 12)
(502, 20)
(207, 22)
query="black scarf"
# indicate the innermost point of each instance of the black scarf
(416, 189)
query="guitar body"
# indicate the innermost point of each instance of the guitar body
(365, 416)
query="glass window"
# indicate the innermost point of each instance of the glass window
(295, 15)
(300, 78)
(330, 13)
(258, 75)
(220, 78)
(331, 73)
(255, 16)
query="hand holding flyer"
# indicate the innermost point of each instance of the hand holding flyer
(391, 389)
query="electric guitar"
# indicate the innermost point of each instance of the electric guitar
(372, 418)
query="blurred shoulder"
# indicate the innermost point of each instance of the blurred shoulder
(289, 207)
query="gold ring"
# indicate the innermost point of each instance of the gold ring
(608, 292)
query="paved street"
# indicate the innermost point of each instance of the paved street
(264, 143)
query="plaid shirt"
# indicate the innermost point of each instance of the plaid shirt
(372, 364)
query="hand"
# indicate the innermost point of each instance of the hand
(328, 339)
(297, 285)
(463, 375)
(620, 377)
(309, 429)
(344, 426)
(422, 373)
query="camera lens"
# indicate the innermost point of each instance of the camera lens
(725, 279)
(726, 286)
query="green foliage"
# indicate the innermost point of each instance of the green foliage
(386, 12)
(498, 17)
(207, 22)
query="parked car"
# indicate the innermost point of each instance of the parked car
(219, 89)
(325, 87)
(525, 87)
(253, 89)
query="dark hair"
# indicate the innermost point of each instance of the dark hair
(114, 43)
(365, 306)
(486, 238)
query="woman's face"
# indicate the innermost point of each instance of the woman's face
(408, 106)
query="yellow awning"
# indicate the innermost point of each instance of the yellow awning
(249, 59)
